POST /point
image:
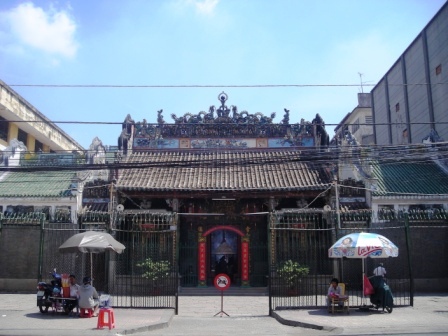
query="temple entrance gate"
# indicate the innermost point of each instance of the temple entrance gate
(237, 248)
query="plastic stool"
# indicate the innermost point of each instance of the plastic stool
(85, 312)
(110, 318)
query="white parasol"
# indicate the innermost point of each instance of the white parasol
(91, 242)
(362, 245)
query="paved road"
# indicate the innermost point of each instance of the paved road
(248, 316)
(225, 326)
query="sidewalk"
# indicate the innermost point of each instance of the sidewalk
(19, 315)
(429, 315)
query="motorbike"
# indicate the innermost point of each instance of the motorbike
(382, 298)
(48, 294)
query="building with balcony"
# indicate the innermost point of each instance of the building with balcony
(22, 121)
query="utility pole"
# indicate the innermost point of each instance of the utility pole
(338, 213)
(338, 224)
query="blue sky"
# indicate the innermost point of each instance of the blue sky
(200, 42)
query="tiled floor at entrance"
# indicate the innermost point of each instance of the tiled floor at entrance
(207, 306)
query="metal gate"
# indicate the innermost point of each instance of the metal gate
(188, 256)
(259, 266)
(256, 235)
(299, 245)
(299, 267)
(145, 275)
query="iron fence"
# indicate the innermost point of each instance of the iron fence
(302, 239)
(145, 275)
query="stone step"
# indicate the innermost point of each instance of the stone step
(232, 291)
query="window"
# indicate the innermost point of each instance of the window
(14, 210)
(38, 147)
(62, 214)
(397, 107)
(355, 126)
(4, 125)
(22, 136)
(369, 120)
(386, 212)
(45, 210)
(438, 69)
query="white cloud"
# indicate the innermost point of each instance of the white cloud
(51, 31)
(202, 7)
(206, 7)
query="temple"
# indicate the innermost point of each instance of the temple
(216, 178)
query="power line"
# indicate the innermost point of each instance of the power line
(217, 123)
(195, 160)
(118, 86)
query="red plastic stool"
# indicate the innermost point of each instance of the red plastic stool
(110, 318)
(85, 312)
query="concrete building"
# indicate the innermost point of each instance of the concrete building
(22, 121)
(410, 103)
(356, 125)
(29, 139)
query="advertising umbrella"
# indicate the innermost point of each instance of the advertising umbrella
(91, 242)
(362, 245)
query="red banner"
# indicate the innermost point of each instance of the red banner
(202, 260)
(245, 261)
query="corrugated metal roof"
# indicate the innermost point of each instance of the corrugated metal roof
(36, 184)
(220, 171)
(410, 178)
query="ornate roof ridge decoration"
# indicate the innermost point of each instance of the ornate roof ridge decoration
(222, 127)
(223, 115)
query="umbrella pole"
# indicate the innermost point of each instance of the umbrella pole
(363, 274)
(91, 267)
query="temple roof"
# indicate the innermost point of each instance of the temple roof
(220, 171)
(412, 178)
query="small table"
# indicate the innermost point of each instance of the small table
(61, 300)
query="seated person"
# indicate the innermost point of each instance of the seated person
(88, 296)
(74, 292)
(334, 291)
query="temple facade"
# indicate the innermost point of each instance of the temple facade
(219, 176)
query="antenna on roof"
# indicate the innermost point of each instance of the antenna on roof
(360, 78)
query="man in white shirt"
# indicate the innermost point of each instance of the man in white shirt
(334, 291)
(380, 271)
(74, 293)
(74, 287)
